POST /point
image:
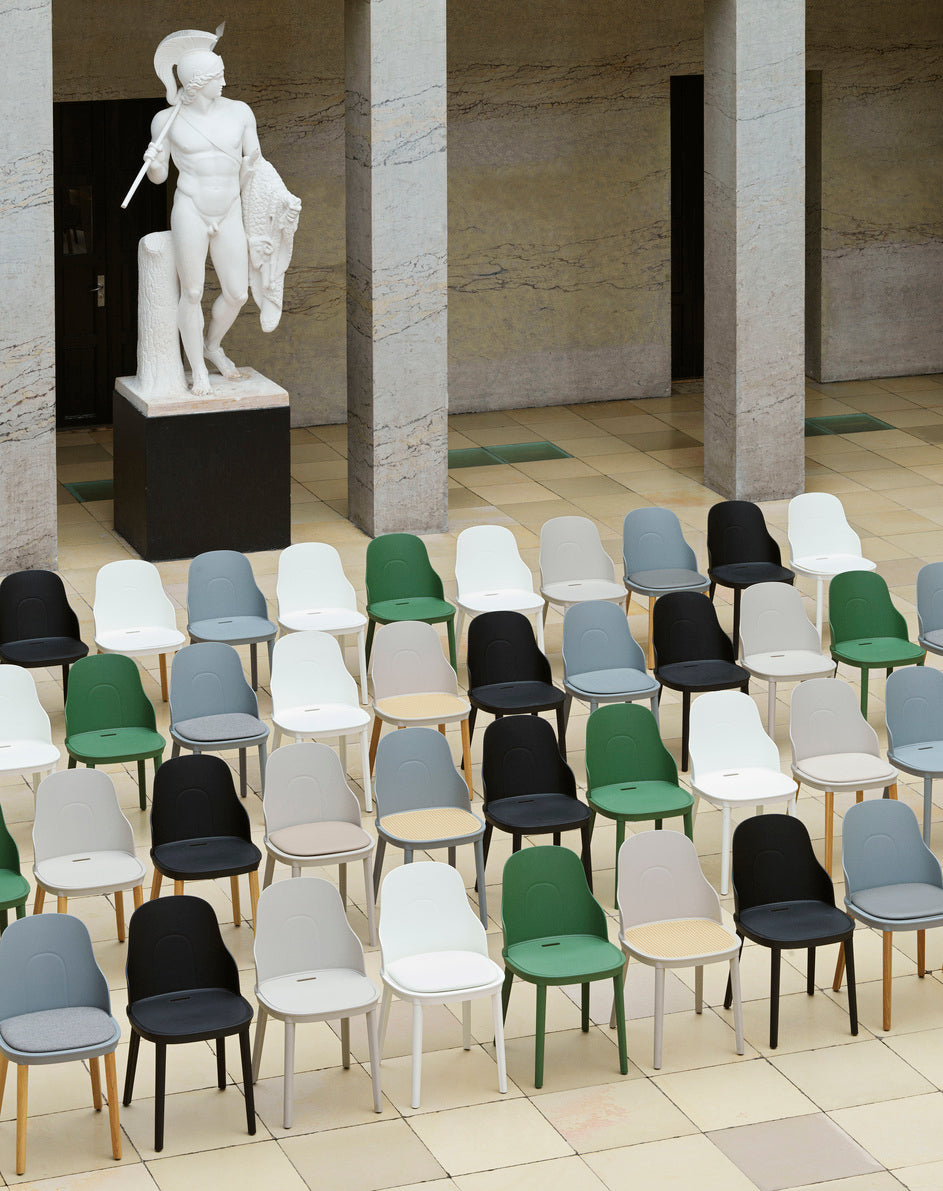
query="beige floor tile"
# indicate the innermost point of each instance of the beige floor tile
(923, 1050)
(114, 1178)
(615, 1114)
(572, 1059)
(236, 1168)
(203, 1120)
(691, 1041)
(62, 1143)
(928, 1176)
(363, 1158)
(486, 1136)
(677, 1164)
(881, 1180)
(571, 1174)
(450, 1079)
(804, 1022)
(724, 1097)
(897, 1132)
(841, 1077)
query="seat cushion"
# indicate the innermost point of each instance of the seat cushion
(431, 823)
(59, 1029)
(230, 725)
(667, 579)
(509, 697)
(612, 682)
(575, 591)
(43, 651)
(745, 574)
(912, 899)
(443, 971)
(206, 858)
(852, 771)
(319, 839)
(790, 663)
(428, 706)
(323, 990)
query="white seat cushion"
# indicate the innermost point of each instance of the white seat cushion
(443, 971)
(319, 839)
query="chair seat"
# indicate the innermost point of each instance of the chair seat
(321, 991)
(444, 972)
(43, 651)
(679, 939)
(575, 591)
(431, 823)
(320, 839)
(667, 579)
(565, 959)
(427, 608)
(845, 771)
(612, 682)
(115, 744)
(142, 639)
(926, 757)
(230, 725)
(789, 664)
(321, 719)
(233, 630)
(58, 1030)
(27, 756)
(709, 674)
(509, 599)
(325, 620)
(932, 640)
(508, 698)
(750, 785)
(14, 888)
(91, 872)
(745, 574)
(205, 858)
(434, 707)
(189, 1015)
(878, 652)
(827, 565)
(640, 800)
(795, 923)
(537, 812)
(904, 902)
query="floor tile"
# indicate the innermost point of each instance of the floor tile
(616, 1114)
(724, 1097)
(235, 1167)
(571, 1174)
(679, 1164)
(897, 1132)
(486, 1136)
(839, 1077)
(363, 1158)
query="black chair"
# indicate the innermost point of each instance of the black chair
(528, 788)
(183, 986)
(741, 551)
(37, 625)
(783, 898)
(200, 829)
(692, 652)
(507, 673)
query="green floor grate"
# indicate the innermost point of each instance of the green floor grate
(92, 490)
(515, 452)
(844, 424)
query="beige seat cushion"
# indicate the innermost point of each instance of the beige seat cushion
(852, 771)
(680, 938)
(439, 822)
(319, 839)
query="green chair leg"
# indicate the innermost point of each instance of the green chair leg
(72, 762)
(506, 992)
(864, 691)
(5, 919)
(142, 786)
(371, 629)
(620, 840)
(620, 1022)
(450, 626)
(21, 910)
(539, 1040)
(584, 1008)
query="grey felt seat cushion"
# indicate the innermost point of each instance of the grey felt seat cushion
(59, 1029)
(231, 725)
(612, 682)
(912, 899)
(668, 579)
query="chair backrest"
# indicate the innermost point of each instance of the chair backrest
(22, 716)
(774, 861)
(487, 558)
(817, 525)
(301, 926)
(502, 648)
(685, 628)
(311, 575)
(773, 619)
(77, 811)
(9, 852)
(596, 636)
(206, 678)
(544, 892)
(930, 597)
(415, 770)
(652, 541)
(398, 567)
(825, 718)
(660, 878)
(308, 668)
(105, 691)
(220, 583)
(570, 548)
(174, 944)
(47, 962)
(195, 798)
(34, 604)
(623, 744)
(882, 845)
(128, 594)
(913, 704)
(737, 532)
(305, 783)
(425, 908)
(520, 755)
(726, 732)
(859, 605)
(407, 659)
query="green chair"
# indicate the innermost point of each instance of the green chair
(14, 887)
(401, 585)
(555, 933)
(630, 775)
(867, 630)
(108, 717)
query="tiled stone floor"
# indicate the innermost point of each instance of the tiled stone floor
(858, 1114)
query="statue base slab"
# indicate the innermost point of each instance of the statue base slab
(203, 473)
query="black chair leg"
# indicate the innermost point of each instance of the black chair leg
(556, 839)
(132, 1067)
(849, 946)
(810, 973)
(587, 834)
(685, 727)
(736, 618)
(713, 589)
(160, 1080)
(471, 726)
(247, 1079)
(65, 681)
(775, 965)
(561, 731)
(515, 843)
(221, 1063)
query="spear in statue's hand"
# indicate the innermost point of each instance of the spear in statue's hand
(152, 149)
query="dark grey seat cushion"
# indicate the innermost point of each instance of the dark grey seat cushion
(232, 725)
(59, 1029)
(901, 903)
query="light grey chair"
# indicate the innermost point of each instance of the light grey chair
(892, 880)
(657, 559)
(55, 1008)
(914, 710)
(930, 607)
(225, 604)
(573, 564)
(212, 707)
(422, 803)
(602, 661)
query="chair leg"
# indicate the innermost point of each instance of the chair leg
(651, 635)
(499, 1042)
(659, 1015)
(685, 727)
(254, 665)
(371, 904)
(482, 892)
(620, 840)
(247, 1080)
(734, 981)
(378, 865)
(142, 785)
(288, 1093)
(450, 629)
(927, 808)
(162, 661)
(374, 1046)
(584, 1008)
(95, 1074)
(371, 629)
(269, 871)
(849, 946)
(699, 989)
(921, 953)
(839, 970)
(886, 976)
(561, 731)
(260, 1024)
(262, 763)
(365, 766)
(810, 972)
(243, 783)
(506, 992)
(586, 835)
(132, 1066)
(728, 995)
(384, 1015)
(119, 914)
(829, 829)
(137, 893)
(39, 900)
(539, 1039)
(539, 631)
(22, 1094)
(254, 894)
(236, 906)
(466, 759)
(417, 1054)
(725, 847)
(4, 1065)
(619, 1005)
(775, 966)
(472, 715)
(466, 1025)
(375, 741)
(155, 884)
(62, 905)
(771, 710)
(160, 1082)
(221, 1063)
(111, 1086)
(864, 691)
(620, 992)
(736, 618)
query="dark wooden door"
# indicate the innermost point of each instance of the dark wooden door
(687, 226)
(98, 149)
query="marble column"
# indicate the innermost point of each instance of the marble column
(397, 367)
(27, 291)
(754, 248)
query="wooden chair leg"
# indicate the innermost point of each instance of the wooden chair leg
(839, 970)
(162, 658)
(466, 759)
(254, 894)
(155, 884)
(375, 741)
(22, 1093)
(138, 894)
(921, 953)
(892, 791)
(39, 900)
(62, 905)
(95, 1072)
(829, 828)
(111, 1085)
(178, 887)
(886, 978)
(859, 795)
(236, 906)
(4, 1064)
(119, 915)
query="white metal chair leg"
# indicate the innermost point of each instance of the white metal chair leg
(725, 842)
(417, 1053)
(466, 1025)
(288, 1104)
(771, 710)
(269, 871)
(659, 1015)
(737, 1001)
(539, 627)
(819, 600)
(499, 1041)
(384, 1015)
(374, 1045)
(342, 750)
(259, 1040)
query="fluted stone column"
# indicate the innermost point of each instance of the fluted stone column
(27, 291)
(754, 247)
(397, 391)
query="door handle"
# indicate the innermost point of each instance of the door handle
(99, 289)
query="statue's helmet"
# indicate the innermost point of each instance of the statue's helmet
(191, 51)
(199, 64)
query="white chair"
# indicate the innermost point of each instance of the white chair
(492, 577)
(434, 951)
(83, 846)
(669, 917)
(314, 696)
(133, 615)
(25, 731)
(414, 686)
(312, 817)
(310, 967)
(314, 593)
(574, 566)
(822, 543)
(834, 748)
(778, 642)
(733, 762)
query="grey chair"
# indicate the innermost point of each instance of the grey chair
(225, 604)
(602, 661)
(422, 803)
(212, 707)
(914, 709)
(55, 1008)
(930, 607)
(892, 880)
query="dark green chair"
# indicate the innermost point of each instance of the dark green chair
(401, 585)
(14, 887)
(867, 630)
(555, 933)
(630, 775)
(108, 717)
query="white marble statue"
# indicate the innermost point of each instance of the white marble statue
(230, 204)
